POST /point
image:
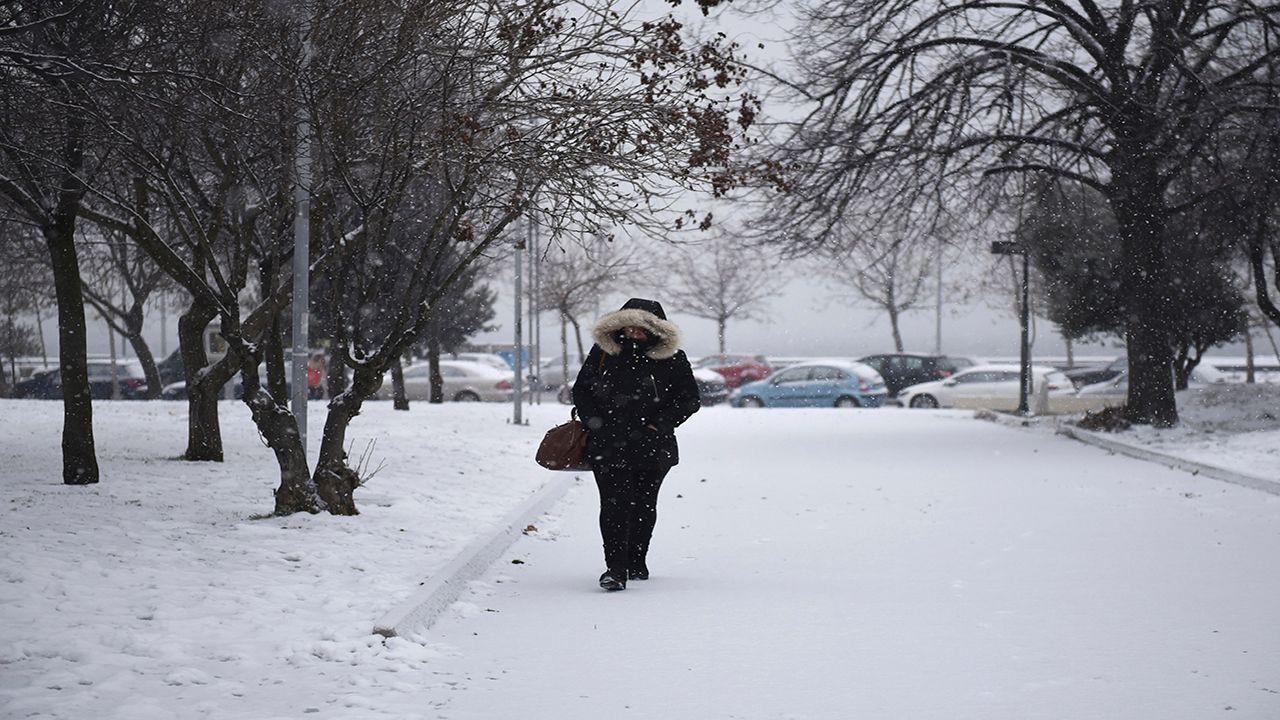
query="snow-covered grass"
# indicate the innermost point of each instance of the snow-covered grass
(157, 587)
(900, 563)
(1231, 425)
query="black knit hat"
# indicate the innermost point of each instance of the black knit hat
(650, 306)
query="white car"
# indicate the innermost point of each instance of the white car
(464, 381)
(993, 387)
(1119, 385)
(493, 360)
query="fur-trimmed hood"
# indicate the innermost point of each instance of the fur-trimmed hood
(641, 313)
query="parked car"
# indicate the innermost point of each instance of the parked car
(712, 388)
(47, 385)
(900, 370)
(171, 368)
(178, 390)
(736, 368)
(815, 384)
(550, 375)
(1119, 385)
(1092, 374)
(464, 381)
(994, 387)
(42, 385)
(493, 360)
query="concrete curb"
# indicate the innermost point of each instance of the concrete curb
(1191, 466)
(1087, 437)
(425, 605)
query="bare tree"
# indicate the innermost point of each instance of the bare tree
(63, 66)
(723, 280)
(1249, 208)
(915, 100)
(579, 113)
(20, 290)
(118, 281)
(573, 278)
(889, 270)
(25, 286)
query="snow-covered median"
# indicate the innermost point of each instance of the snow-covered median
(1231, 425)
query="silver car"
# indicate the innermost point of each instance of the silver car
(464, 381)
(994, 387)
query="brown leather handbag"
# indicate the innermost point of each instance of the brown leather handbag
(564, 447)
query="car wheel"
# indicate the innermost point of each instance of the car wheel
(927, 402)
(466, 396)
(847, 401)
(752, 402)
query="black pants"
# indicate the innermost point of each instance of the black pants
(628, 511)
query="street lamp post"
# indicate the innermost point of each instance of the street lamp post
(517, 361)
(301, 255)
(1010, 247)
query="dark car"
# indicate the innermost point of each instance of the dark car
(42, 385)
(171, 368)
(1093, 374)
(712, 389)
(737, 369)
(901, 370)
(47, 385)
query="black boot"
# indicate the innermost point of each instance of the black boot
(613, 580)
(638, 571)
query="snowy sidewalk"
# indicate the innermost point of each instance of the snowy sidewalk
(885, 564)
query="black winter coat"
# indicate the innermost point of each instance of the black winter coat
(632, 396)
(631, 405)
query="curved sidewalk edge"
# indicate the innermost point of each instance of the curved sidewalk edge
(1252, 482)
(1195, 468)
(421, 609)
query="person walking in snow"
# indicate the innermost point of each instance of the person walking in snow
(634, 389)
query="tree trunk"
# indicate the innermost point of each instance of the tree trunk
(1071, 352)
(720, 332)
(279, 428)
(399, 398)
(1182, 367)
(79, 458)
(273, 347)
(148, 361)
(335, 480)
(1275, 351)
(1261, 287)
(1140, 217)
(577, 331)
(564, 352)
(133, 321)
(337, 379)
(44, 351)
(1250, 373)
(115, 368)
(893, 325)
(433, 368)
(204, 433)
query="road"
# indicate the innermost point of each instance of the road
(884, 564)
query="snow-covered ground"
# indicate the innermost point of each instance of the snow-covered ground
(808, 564)
(1231, 425)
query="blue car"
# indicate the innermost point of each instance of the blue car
(827, 383)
